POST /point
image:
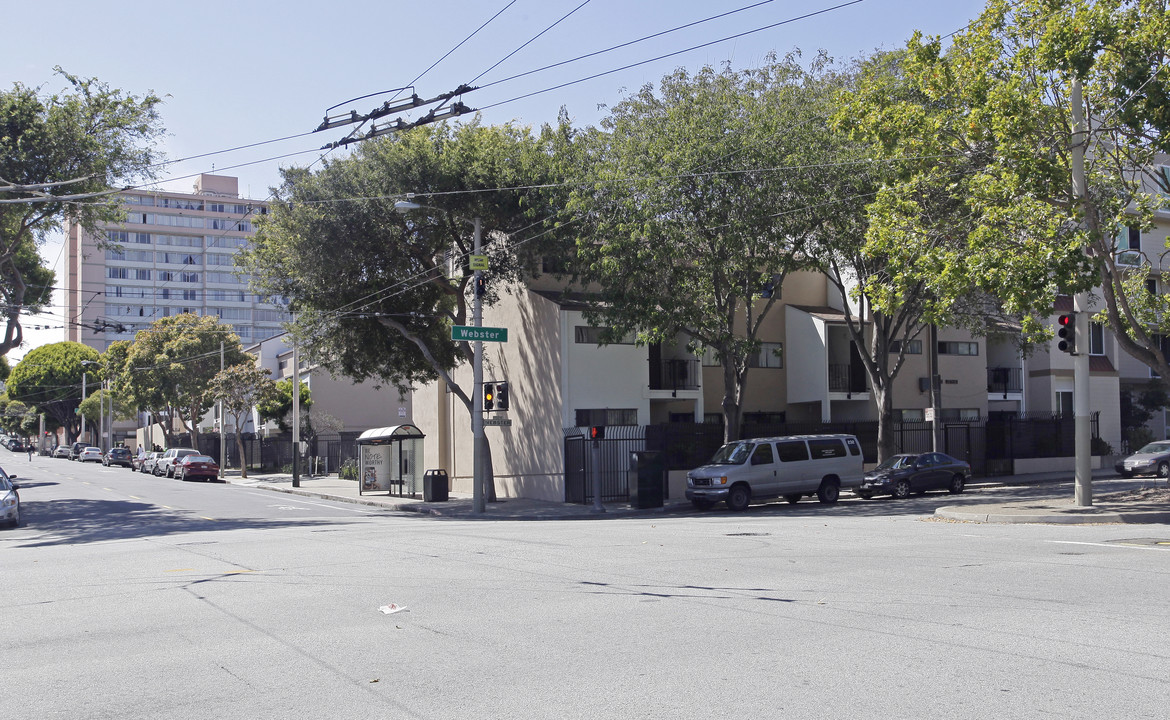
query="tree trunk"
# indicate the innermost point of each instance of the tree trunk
(885, 440)
(240, 447)
(732, 407)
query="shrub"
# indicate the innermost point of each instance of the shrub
(348, 470)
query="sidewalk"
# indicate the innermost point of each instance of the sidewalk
(1047, 498)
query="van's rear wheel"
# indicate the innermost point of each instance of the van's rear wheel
(828, 492)
(738, 498)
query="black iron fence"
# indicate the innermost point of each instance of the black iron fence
(988, 444)
(325, 454)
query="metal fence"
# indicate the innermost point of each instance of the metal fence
(988, 444)
(325, 454)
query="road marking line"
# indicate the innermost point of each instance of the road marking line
(180, 570)
(1129, 546)
(135, 497)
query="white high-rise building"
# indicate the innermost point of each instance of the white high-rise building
(176, 253)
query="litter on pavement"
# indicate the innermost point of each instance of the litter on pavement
(391, 609)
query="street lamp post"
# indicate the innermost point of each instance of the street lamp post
(478, 501)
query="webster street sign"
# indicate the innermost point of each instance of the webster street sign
(498, 422)
(483, 334)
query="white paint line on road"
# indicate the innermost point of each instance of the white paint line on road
(337, 506)
(1127, 546)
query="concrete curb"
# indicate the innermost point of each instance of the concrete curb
(1054, 516)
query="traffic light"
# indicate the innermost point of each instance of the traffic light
(1067, 332)
(597, 432)
(502, 396)
(489, 396)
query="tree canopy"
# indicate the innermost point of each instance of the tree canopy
(240, 388)
(49, 379)
(60, 157)
(168, 367)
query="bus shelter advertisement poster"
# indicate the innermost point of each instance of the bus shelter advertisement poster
(376, 468)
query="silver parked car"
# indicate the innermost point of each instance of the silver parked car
(9, 500)
(1153, 459)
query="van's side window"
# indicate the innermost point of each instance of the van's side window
(792, 451)
(762, 455)
(826, 448)
(854, 448)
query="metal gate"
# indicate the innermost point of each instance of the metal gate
(607, 459)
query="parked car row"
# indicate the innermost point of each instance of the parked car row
(182, 463)
(14, 443)
(793, 467)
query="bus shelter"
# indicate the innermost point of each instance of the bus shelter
(388, 460)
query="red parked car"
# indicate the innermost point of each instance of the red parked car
(197, 466)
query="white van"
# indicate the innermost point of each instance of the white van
(789, 467)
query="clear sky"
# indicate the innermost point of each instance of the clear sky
(239, 73)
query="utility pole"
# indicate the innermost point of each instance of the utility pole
(81, 435)
(296, 412)
(477, 494)
(1082, 431)
(223, 427)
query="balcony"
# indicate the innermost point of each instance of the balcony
(674, 374)
(847, 378)
(1004, 381)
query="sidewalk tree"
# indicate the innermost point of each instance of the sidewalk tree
(241, 388)
(278, 406)
(61, 155)
(49, 379)
(168, 367)
(375, 292)
(997, 142)
(691, 205)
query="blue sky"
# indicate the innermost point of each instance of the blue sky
(252, 71)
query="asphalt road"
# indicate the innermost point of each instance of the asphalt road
(127, 596)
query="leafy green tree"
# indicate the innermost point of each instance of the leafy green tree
(168, 368)
(375, 292)
(240, 388)
(60, 156)
(98, 402)
(278, 405)
(996, 138)
(49, 379)
(689, 225)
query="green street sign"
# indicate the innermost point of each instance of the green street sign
(483, 334)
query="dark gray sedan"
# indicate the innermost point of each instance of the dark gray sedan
(1153, 459)
(901, 475)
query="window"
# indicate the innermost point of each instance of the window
(138, 200)
(173, 220)
(710, 358)
(911, 416)
(227, 208)
(179, 240)
(913, 347)
(227, 241)
(1096, 339)
(1128, 245)
(1152, 286)
(141, 274)
(130, 255)
(771, 355)
(117, 236)
(223, 278)
(216, 259)
(853, 445)
(1064, 402)
(189, 277)
(180, 203)
(190, 294)
(118, 273)
(274, 316)
(825, 448)
(959, 415)
(763, 454)
(588, 335)
(958, 348)
(792, 451)
(231, 313)
(608, 416)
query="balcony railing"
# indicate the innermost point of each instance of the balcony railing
(847, 379)
(674, 375)
(1004, 380)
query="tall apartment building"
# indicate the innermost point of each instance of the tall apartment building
(174, 253)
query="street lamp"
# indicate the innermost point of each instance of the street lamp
(477, 494)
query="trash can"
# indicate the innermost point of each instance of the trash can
(647, 473)
(435, 486)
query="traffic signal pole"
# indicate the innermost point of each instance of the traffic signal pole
(1083, 493)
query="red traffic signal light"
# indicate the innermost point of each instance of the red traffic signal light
(1067, 332)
